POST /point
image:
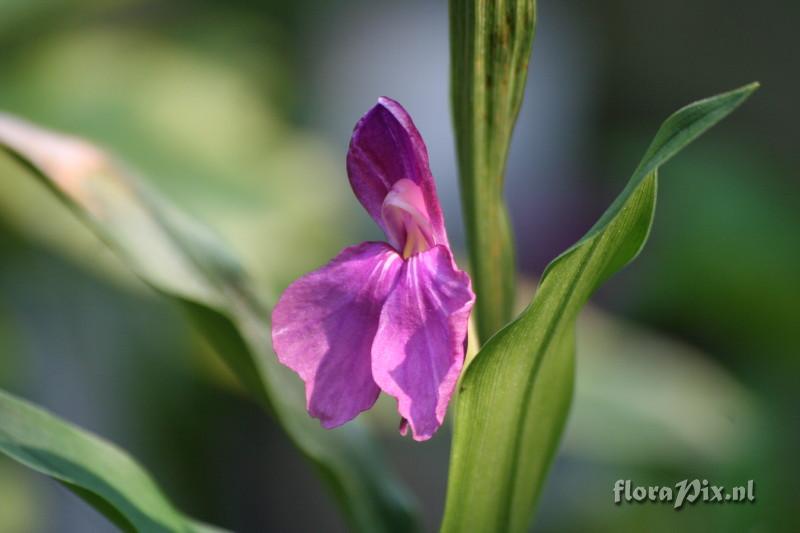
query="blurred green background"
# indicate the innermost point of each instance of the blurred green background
(241, 112)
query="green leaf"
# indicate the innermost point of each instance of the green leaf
(515, 394)
(186, 263)
(100, 473)
(490, 44)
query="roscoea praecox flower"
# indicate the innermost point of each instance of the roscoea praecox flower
(380, 316)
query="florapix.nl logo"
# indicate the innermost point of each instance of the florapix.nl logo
(684, 491)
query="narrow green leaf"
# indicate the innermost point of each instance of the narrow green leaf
(490, 44)
(515, 394)
(100, 473)
(183, 261)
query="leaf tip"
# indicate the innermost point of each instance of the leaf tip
(745, 91)
(749, 89)
(753, 86)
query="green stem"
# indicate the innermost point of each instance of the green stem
(490, 47)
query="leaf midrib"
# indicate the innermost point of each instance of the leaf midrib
(532, 376)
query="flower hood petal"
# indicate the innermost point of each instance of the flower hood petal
(421, 340)
(323, 328)
(385, 148)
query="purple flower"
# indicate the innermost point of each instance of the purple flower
(382, 316)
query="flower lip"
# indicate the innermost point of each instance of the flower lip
(406, 220)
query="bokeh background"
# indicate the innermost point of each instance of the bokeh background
(240, 113)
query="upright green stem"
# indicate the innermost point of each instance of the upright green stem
(490, 47)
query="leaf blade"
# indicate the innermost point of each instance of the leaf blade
(515, 395)
(100, 473)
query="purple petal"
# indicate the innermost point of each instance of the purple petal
(323, 328)
(385, 148)
(419, 348)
